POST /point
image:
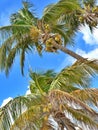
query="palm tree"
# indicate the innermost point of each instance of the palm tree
(85, 12)
(57, 101)
(51, 33)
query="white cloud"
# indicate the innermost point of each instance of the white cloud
(89, 38)
(70, 60)
(90, 55)
(28, 91)
(6, 101)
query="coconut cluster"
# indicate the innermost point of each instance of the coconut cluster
(45, 38)
(89, 16)
(35, 33)
(49, 43)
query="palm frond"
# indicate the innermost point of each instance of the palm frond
(90, 2)
(6, 31)
(70, 77)
(42, 80)
(10, 60)
(90, 66)
(53, 12)
(59, 98)
(81, 117)
(88, 96)
(64, 122)
(18, 106)
(26, 4)
(46, 126)
(78, 75)
(15, 44)
(62, 101)
(4, 49)
(30, 119)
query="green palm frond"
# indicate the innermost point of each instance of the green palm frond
(27, 4)
(7, 31)
(91, 66)
(78, 75)
(4, 49)
(88, 96)
(10, 59)
(30, 119)
(63, 12)
(15, 44)
(23, 17)
(41, 81)
(53, 12)
(69, 77)
(18, 106)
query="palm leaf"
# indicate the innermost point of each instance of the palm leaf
(89, 96)
(61, 101)
(13, 110)
(6, 31)
(64, 122)
(42, 80)
(4, 49)
(81, 117)
(53, 12)
(78, 75)
(30, 119)
(90, 2)
(10, 60)
(14, 45)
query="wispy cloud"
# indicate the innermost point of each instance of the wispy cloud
(90, 55)
(89, 38)
(70, 60)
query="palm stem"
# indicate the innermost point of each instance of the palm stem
(69, 52)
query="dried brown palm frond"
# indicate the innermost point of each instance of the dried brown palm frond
(89, 96)
(62, 101)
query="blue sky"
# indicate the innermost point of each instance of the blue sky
(15, 84)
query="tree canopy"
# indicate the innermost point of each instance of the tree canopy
(50, 33)
(57, 100)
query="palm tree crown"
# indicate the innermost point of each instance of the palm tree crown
(56, 101)
(53, 31)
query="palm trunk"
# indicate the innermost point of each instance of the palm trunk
(67, 51)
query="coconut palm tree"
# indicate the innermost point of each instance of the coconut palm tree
(51, 33)
(86, 12)
(56, 102)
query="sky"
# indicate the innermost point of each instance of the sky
(15, 84)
